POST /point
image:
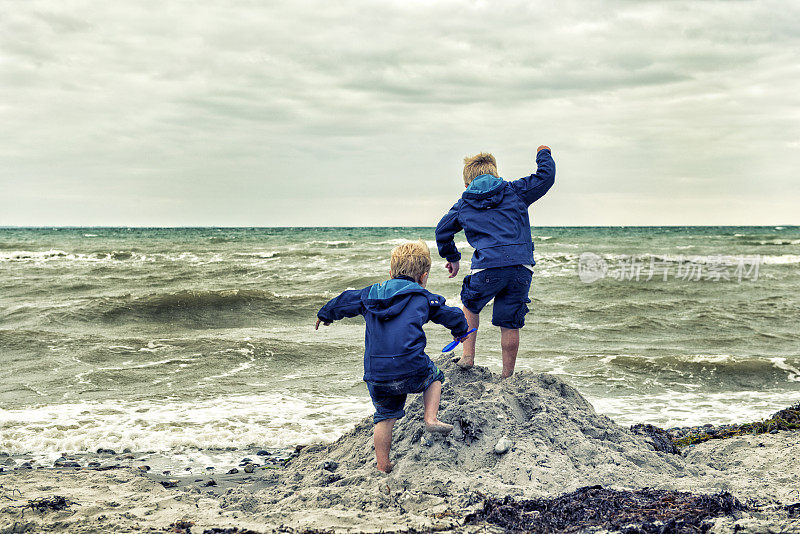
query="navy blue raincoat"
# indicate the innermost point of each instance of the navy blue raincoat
(494, 216)
(395, 311)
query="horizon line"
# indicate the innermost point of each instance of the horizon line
(40, 227)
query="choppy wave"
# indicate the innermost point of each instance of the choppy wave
(291, 255)
(262, 254)
(204, 306)
(196, 308)
(331, 244)
(723, 369)
(53, 255)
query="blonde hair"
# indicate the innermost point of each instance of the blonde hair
(411, 259)
(483, 163)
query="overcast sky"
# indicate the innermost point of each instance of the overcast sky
(324, 113)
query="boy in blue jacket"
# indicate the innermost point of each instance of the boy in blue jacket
(494, 216)
(395, 363)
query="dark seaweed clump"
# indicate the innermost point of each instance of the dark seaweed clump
(49, 504)
(185, 527)
(793, 509)
(231, 530)
(788, 419)
(644, 511)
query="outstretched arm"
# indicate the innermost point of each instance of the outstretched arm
(533, 187)
(348, 304)
(446, 230)
(447, 316)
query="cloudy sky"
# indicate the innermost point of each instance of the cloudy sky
(319, 113)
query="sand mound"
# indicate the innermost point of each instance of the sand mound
(558, 442)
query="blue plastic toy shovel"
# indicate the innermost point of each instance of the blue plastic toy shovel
(453, 344)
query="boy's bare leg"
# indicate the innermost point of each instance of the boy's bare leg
(382, 436)
(430, 399)
(509, 341)
(468, 359)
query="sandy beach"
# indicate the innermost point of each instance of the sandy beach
(556, 443)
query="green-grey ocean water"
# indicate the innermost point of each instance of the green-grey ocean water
(188, 339)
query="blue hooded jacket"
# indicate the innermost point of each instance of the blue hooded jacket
(494, 216)
(395, 311)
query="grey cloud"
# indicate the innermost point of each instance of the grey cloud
(294, 104)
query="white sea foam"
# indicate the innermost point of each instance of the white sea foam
(115, 256)
(271, 420)
(783, 259)
(780, 363)
(708, 358)
(263, 254)
(331, 244)
(693, 408)
(431, 243)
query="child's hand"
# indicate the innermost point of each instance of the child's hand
(452, 268)
(316, 327)
(542, 148)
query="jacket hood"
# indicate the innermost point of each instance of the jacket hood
(485, 191)
(387, 299)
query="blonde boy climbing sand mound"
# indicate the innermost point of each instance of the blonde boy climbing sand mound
(395, 363)
(494, 216)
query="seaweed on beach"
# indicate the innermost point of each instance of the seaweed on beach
(644, 511)
(181, 526)
(470, 431)
(230, 530)
(49, 504)
(793, 510)
(13, 491)
(787, 419)
(184, 527)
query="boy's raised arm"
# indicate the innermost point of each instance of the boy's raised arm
(348, 304)
(533, 187)
(447, 316)
(447, 228)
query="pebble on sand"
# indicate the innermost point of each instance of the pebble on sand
(503, 445)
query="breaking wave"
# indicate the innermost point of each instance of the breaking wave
(206, 307)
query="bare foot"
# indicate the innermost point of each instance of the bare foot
(464, 362)
(437, 427)
(386, 468)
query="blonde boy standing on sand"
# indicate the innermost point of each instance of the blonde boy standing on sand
(395, 363)
(494, 216)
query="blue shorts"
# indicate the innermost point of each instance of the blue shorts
(508, 286)
(389, 398)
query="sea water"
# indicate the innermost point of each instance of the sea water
(193, 339)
